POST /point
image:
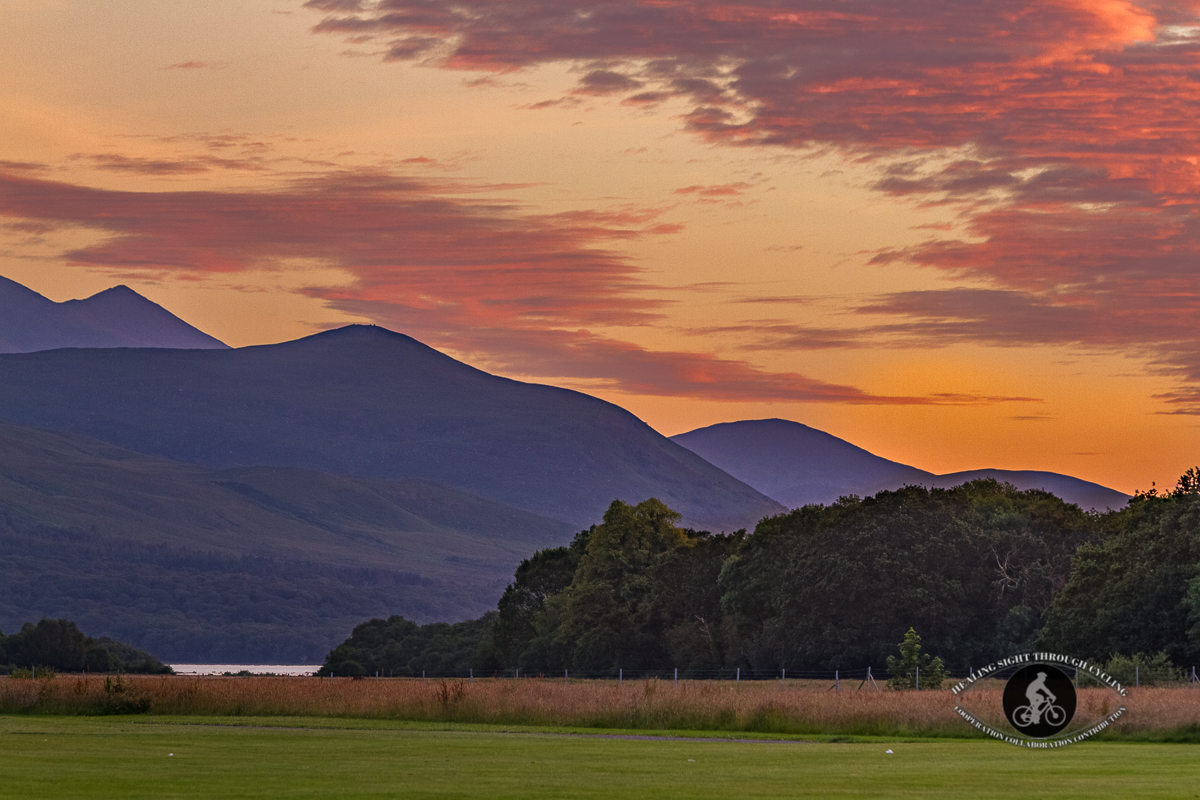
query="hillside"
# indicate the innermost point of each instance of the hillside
(365, 401)
(793, 463)
(798, 465)
(116, 317)
(247, 563)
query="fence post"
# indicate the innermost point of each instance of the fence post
(566, 675)
(1137, 675)
(516, 673)
(422, 674)
(782, 677)
(738, 679)
(677, 677)
(620, 677)
(918, 676)
(837, 680)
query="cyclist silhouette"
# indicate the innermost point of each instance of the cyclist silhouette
(1039, 696)
(1041, 699)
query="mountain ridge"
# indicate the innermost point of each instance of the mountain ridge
(115, 317)
(798, 465)
(362, 400)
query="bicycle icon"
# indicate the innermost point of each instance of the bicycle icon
(1051, 714)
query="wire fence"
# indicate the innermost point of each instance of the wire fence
(861, 678)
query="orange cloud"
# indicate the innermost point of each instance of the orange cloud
(1064, 131)
(481, 277)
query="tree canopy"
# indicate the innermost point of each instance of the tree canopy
(982, 571)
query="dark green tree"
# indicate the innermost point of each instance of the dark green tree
(397, 646)
(524, 635)
(1136, 590)
(686, 601)
(56, 643)
(608, 611)
(974, 567)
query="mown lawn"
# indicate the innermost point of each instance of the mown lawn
(128, 757)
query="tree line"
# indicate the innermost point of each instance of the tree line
(58, 644)
(981, 571)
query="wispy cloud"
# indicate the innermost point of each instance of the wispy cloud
(189, 65)
(141, 165)
(1063, 132)
(522, 291)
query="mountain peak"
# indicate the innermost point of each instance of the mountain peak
(365, 401)
(792, 462)
(115, 317)
(797, 465)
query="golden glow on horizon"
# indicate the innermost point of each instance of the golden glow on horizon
(757, 255)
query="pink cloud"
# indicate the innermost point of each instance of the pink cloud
(483, 277)
(721, 190)
(1073, 122)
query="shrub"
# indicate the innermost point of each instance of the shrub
(1140, 669)
(912, 666)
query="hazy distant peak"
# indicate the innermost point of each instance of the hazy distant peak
(116, 317)
(796, 465)
(117, 293)
(792, 462)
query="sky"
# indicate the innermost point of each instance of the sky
(958, 234)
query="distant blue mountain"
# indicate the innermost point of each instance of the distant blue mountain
(798, 465)
(116, 317)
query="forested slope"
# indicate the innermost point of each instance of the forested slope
(257, 563)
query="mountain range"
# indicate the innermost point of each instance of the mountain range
(222, 505)
(798, 465)
(365, 401)
(116, 317)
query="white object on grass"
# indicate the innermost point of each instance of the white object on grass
(889, 751)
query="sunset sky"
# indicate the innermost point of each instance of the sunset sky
(959, 234)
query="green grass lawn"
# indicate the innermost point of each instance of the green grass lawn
(127, 757)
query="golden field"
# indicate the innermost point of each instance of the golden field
(751, 706)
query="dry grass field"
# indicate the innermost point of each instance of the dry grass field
(1171, 714)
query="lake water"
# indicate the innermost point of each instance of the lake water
(258, 669)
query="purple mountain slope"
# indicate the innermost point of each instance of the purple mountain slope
(798, 465)
(117, 317)
(365, 401)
